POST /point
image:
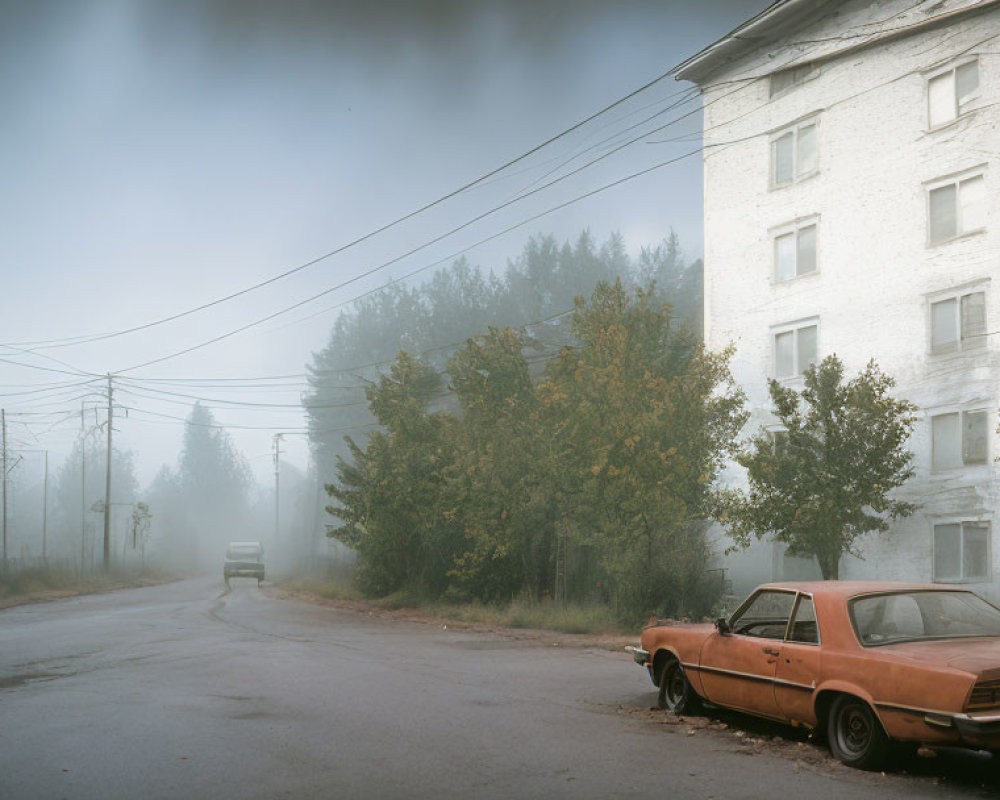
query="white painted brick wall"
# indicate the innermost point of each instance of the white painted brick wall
(875, 269)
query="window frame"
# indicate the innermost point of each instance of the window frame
(748, 603)
(961, 106)
(793, 327)
(956, 180)
(793, 129)
(961, 522)
(961, 344)
(779, 439)
(797, 597)
(794, 618)
(794, 229)
(961, 413)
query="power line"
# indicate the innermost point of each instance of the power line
(167, 397)
(45, 388)
(325, 292)
(518, 198)
(456, 229)
(86, 339)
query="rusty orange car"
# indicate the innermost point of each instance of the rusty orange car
(865, 663)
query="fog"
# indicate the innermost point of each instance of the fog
(165, 162)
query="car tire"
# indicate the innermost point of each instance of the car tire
(676, 694)
(855, 734)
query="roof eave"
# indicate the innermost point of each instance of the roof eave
(774, 19)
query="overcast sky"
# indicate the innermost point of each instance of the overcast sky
(158, 156)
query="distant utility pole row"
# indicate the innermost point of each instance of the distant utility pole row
(5, 469)
(106, 562)
(3, 481)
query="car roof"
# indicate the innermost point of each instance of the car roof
(852, 588)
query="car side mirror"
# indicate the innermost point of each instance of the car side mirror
(722, 626)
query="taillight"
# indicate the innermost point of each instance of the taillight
(985, 694)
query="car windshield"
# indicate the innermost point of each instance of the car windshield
(920, 615)
(243, 552)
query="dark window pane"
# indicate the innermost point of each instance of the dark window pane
(807, 347)
(804, 627)
(946, 441)
(784, 354)
(944, 326)
(943, 222)
(767, 616)
(808, 153)
(973, 320)
(784, 256)
(806, 256)
(966, 80)
(974, 437)
(947, 552)
(784, 160)
(976, 551)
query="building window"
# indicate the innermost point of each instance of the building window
(949, 92)
(794, 153)
(958, 323)
(962, 551)
(795, 252)
(795, 350)
(779, 441)
(956, 208)
(785, 79)
(959, 439)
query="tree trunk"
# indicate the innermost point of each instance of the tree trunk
(829, 565)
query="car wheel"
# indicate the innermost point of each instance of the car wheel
(676, 694)
(855, 734)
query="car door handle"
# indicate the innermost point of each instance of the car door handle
(771, 652)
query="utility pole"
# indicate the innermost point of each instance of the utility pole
(83, 489)
(277, 497)
(3, 447)
(107, 487)
(45, 509)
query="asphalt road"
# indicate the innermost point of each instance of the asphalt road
(182, 691)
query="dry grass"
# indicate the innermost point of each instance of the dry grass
(548, 616)
(41, 584)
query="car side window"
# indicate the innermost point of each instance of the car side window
(804, 628)
(766, 616)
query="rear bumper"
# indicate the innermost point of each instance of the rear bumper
(978, 731)
(244, 571)
(641, 657)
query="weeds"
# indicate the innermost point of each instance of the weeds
(545, 615)
(44, 583)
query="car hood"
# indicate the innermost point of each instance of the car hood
(977, 656)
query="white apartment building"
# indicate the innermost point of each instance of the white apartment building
(852, 206)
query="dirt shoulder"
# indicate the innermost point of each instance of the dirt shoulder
(602, 641)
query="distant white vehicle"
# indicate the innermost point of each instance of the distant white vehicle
(244, 560)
